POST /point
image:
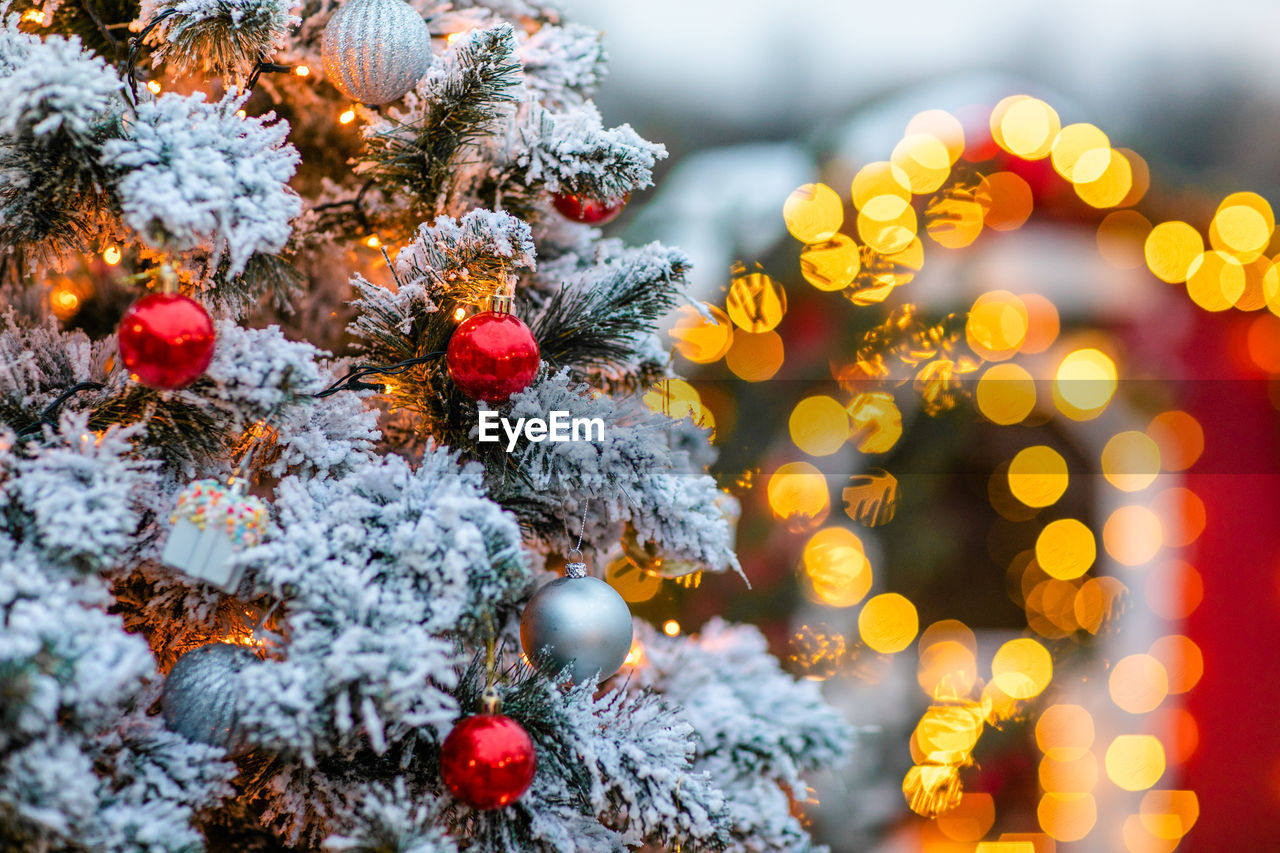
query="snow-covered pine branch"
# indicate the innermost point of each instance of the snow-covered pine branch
(58, 104)
(227, 37)
(196, 175)
(563, 65)
(757, 728)
(632, 476)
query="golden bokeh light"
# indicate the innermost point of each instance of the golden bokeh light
(1138, 684)
(1006, 394)
(1022, 668)
(756, 303)
(671, 628)
(953, 222)
(1135, 762)
(1133, 535)
(819, 425)
(970, 819)
(997, 325)
(1027, 128)
(947, 669)
(1179, 437)
(942, 126)
(888, 623)
(1263, 343)
(1182, 660)
(1006, 200)
(1065, 732)
(1050, 608)
(925, 160)
(1078, 775)
(875, 422)
(1138, 840)
(1141, 177)
(1038, 476)
(947, 734)
(1215, 280)
(755, 358)
(798, 492)
(1042, 323)
(1065, 549)
(1071, 144)
(1113, 183)
(1084, 383)
(836, 567)
(1169, 814)
(111, 255)
(832, 264)
(1067, 817)
(1242, 225)
(1122, 237)
(1170, 249)
(881, 179)
(932, 788)
(699, 339)
(64, 302)
(1097, 601)
(813, 213)
(890, 234)
(347, 116)
(632, 583)
(1131, 461)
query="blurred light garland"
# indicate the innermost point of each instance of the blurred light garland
(937, 181)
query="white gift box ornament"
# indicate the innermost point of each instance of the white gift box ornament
(210, 524)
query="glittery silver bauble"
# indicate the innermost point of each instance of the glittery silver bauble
(375, 50)
(582, 621)
(200, 695)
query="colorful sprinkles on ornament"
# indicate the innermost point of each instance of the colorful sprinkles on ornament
(210, 500)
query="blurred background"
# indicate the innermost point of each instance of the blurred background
(990, 328)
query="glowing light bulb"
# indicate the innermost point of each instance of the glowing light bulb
(302, 71)
(154, 86)
(36, 16)
(373, 242)
(347, 117)
(671, 628)
(459, 314)
(241, 113)
(112, 255)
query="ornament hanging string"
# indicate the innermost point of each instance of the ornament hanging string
(577, 568)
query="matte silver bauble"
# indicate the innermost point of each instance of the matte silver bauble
(200, 695)
(579, 621)
(375, 50)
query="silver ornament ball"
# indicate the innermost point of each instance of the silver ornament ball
(375, 50)
(200, 696)
(582, 621)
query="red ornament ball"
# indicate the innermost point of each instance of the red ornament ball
(488, 761)
(590, 211)
(166, 340)
(492, 356)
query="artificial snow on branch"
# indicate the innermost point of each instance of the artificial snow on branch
(563, 65)
(58, 105)
(571, 151)
(194, 174)
(227, 37)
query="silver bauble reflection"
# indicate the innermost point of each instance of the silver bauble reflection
(201, 694)
(375, 50)
(582, 621)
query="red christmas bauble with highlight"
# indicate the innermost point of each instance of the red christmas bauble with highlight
(166, 340)
(488, 761)
(491, 356)
(589, 211)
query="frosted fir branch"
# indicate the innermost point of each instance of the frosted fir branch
(571, 151)
(58, 104)
(756, 727)
(563, 65)
(37, 364)
(417, 149)
(77, 499)
(388, 818)
(602, 317)
(631, 477)
(227, 37)
(463, 260)
(197, 175)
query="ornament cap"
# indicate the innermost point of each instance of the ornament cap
(490, 701)
(500, 303)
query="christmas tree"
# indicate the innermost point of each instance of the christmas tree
(283, 563)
